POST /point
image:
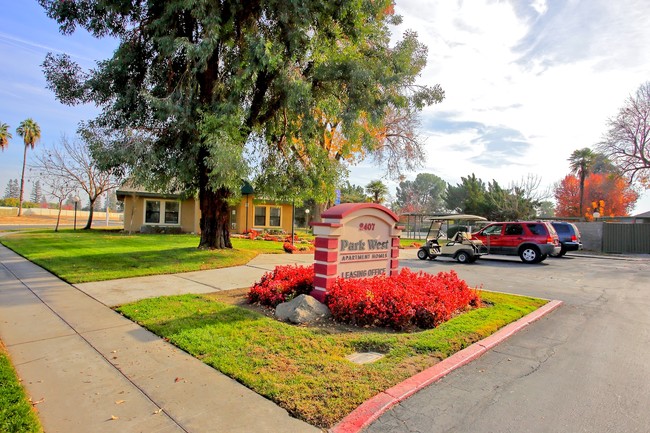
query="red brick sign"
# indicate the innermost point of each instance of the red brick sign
(354, 240)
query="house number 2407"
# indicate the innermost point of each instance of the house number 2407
(366, 226)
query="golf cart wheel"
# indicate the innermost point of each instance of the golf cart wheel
(423, 254)
(530, 254)
(463, 257)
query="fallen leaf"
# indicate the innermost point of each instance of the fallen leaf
(178, 379)
(113, 418)
(119, 401)
(155, 412)
(34, 403)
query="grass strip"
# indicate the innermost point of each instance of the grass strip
(97, 255)
(16, 413)
(303, 369)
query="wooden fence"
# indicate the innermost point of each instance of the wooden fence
(626, 238)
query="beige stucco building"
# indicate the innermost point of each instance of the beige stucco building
(153, 212)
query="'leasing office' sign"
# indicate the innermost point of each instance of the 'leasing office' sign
(354, 240)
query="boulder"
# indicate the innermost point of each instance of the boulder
(302, 309)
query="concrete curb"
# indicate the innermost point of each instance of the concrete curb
(372, 409)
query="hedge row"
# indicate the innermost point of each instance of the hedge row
(401, 301)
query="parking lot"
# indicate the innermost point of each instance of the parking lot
(582, 368)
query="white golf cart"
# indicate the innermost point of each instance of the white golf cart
(452, 241)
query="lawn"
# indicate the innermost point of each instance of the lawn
(16, 414)
(303, 369)
(411, 243)
(96, 255)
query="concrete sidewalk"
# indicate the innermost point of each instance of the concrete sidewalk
(122, 291)
(91, 370)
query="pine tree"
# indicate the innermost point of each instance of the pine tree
(12, 190)
(37, 192)
(211, 77)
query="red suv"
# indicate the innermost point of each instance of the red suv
(532, 241)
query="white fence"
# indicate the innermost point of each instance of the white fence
(81, 214)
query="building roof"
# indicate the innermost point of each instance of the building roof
(128, 188)
(642, 215)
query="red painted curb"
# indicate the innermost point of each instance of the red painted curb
(373, 408)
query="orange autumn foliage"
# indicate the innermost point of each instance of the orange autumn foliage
(618, 197)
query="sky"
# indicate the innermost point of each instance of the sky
(527, 82)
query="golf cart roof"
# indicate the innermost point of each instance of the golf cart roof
(456, 217)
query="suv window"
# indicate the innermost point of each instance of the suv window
(537, 229)
(562, 228)
(493, 230)
(514, 229)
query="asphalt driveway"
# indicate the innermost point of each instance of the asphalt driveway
(583, 368)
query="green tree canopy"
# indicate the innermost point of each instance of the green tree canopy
(467, 196)
(377, 190)
(422, 195)
(353, 194)
(201, 94)
(492, 201)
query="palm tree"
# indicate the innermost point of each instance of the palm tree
(377, 190)
(5, 135)
(31, 133)
(581, 161)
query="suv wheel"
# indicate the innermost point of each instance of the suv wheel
(423, 254)
(463, 257)
(530, 254)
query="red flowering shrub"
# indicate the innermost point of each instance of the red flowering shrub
(252, 234)
(288, 247)
(400, 301)
(403, 300)
(282, 284)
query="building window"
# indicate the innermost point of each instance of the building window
(172, 212)
(152, 212)
(162, 212)
(274, 217)
(268, 216)
(260, 216)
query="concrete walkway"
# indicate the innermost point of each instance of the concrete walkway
(122, 291)
(91, 370)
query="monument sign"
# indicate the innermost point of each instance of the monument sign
(354, 240)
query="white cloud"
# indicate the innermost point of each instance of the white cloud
(540, 6)
(549, 73)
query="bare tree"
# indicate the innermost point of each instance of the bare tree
(627, 142)
(60, 188)
(71, 163)
(401, 148)
(530, 185)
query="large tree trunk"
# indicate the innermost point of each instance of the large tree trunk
(214, 211)
(214, 219)
(90, 214)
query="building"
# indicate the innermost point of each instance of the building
(150, 212)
